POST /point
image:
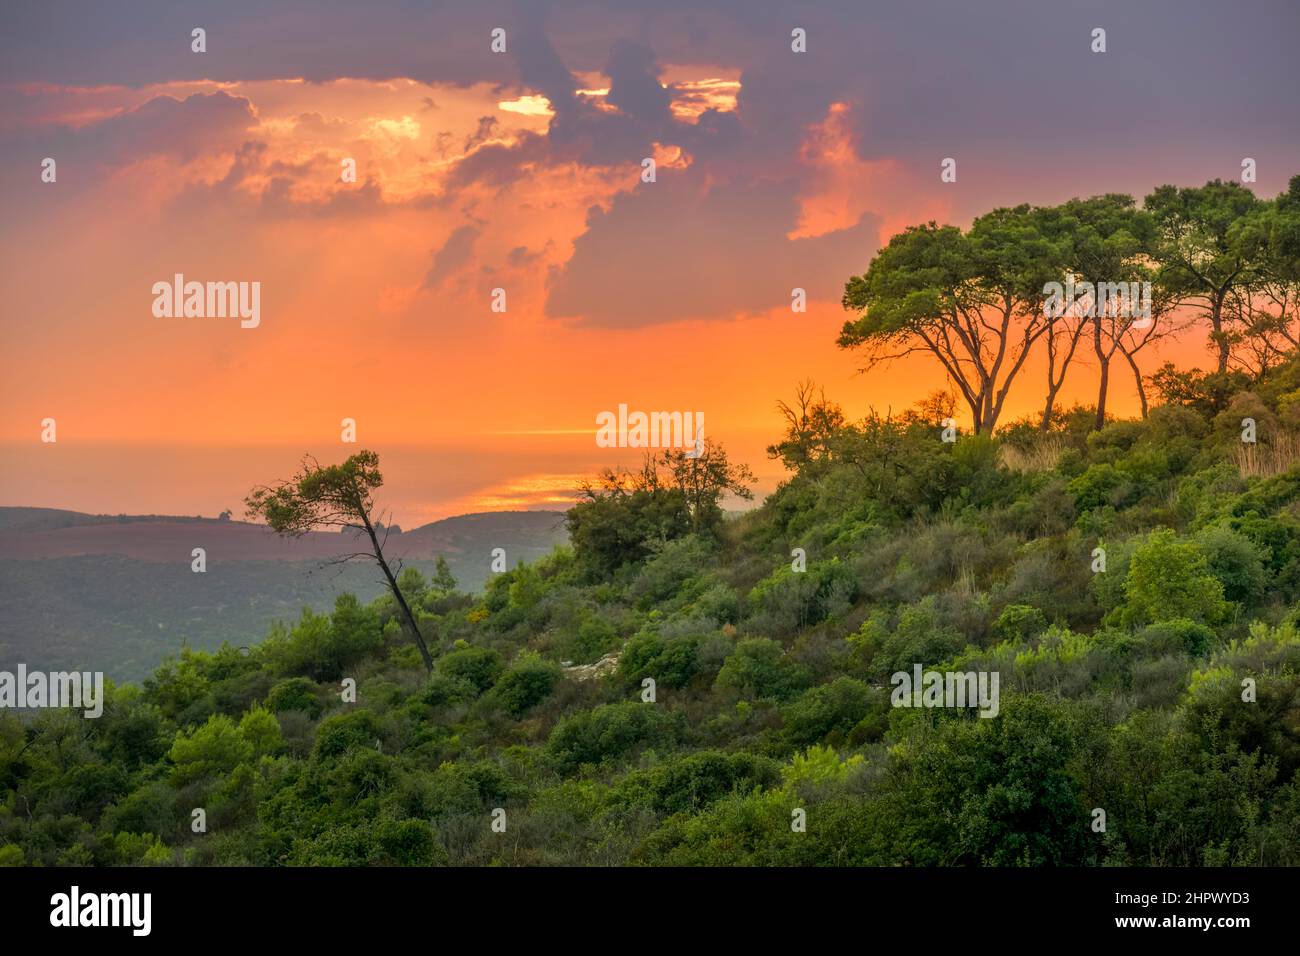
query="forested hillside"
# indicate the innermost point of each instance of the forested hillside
(119, 595)
(1120, 689)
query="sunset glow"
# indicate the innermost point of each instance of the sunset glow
(376, 292)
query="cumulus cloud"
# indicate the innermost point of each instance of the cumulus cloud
(180, 129)
(918, 83)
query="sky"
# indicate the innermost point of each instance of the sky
(522, 171)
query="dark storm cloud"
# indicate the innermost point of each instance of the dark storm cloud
(1009, 88)
(668, 252)
(164, 126)
(933, 70)
(179, 129)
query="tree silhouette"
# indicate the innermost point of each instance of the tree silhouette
(1200, 253)
(339, 496)
(973, 300)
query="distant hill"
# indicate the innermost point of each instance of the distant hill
(28, 533)
(116, 592)
(46, 519)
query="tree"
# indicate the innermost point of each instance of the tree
(1104, 243)
(1065, 327)
(704, 476)
(324, 646)
(1170, 580)
(214, 749)
(811, 425)
(337, 496)
(622, 517)
(1062, 338)
(1265, 309)
(1133, 338)
(904, 470)
(443, 580)
(1202, 259)
(973, 301)
(412, 583)
(1208, 393)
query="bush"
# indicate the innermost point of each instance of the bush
(1237, 562)
(674, 567)
(759, 669)
(836, 707)
(788, 600)
(672, 663)
(214, 749)
(688, 784)
(378, 843)
(1096, 487)
(919, 637)
(442, 689)
(1018, 623)
(613, 531)
(478, 666)
(323, 646)
(261, 730)
(595, 637)
(343, 732)
(527, 683)
(295, 693)
(1169, 579)
(609, 731)
(1177, 636)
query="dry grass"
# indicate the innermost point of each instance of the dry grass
(1042, 455)
(1279, 456)
(965, 584)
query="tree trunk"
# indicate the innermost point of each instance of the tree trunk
(1100, 423)
(1104, 384)
(1216, 323)
(1045, 423)
(1055, 383)
(987, 418)
(397, 594)
(1137, 378)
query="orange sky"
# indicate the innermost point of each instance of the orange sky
(375, 295)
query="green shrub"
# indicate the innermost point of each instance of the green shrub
(343, 732)
(672, 663)
(295, 693)
(759, 669)
(527, 682)
(830, 708)
(607, 732)
(478, 666)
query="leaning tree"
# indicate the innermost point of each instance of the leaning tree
(338, 496)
